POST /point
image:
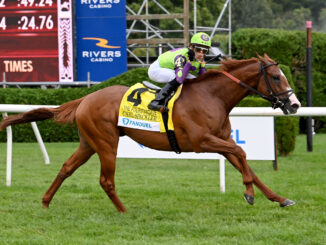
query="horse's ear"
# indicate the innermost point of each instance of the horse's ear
(267, 57)
(259, 57)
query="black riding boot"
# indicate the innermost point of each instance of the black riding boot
(158, 103)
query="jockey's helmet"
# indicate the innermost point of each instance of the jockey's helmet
(201, 38)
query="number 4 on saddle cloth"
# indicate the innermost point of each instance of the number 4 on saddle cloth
(134, 113)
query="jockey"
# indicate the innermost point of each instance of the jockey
(174, 66)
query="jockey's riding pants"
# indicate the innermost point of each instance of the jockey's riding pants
(162, 75)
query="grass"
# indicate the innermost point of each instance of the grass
(168, 201)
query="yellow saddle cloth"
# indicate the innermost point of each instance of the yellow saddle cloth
(134, 113)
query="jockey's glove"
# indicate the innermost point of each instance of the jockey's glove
(202, 64)
(191, 54)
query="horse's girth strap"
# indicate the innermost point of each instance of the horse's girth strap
(170, 133)
(231, 77)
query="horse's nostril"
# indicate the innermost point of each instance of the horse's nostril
(295, 106)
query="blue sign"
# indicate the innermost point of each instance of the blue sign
(101, 39)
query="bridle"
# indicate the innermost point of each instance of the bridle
(273, 97)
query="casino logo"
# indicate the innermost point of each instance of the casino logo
(99, 55)
(101, 42)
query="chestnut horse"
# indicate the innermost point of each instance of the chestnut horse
(212, 96)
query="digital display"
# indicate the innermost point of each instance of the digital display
(36, 40)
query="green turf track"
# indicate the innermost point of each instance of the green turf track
(168, 201)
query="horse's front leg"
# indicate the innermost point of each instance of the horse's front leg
(249, 192)
(211, 143)
(263, 188)
(270, 194)
(108, 158)
(78, 158)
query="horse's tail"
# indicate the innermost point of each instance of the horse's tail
(65, 114)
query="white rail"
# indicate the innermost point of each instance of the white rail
(5, 108)
(268, 111)
(238, 111)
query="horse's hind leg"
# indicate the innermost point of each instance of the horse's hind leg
(78, 158)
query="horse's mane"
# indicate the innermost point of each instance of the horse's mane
(229, 64)
(226, 65)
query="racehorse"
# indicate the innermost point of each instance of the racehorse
(200, 116)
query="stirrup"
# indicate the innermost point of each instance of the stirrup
(160, 108)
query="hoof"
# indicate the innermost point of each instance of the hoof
(249, 199)
(287, 203)
(45, 205)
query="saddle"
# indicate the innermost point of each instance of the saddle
(134, 113)
(152, 86)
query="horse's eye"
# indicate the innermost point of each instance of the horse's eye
(276, 77)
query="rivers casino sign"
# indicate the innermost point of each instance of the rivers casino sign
(101, 39)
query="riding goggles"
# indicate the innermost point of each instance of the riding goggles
(201, 49)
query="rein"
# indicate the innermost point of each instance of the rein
(244, 85)
(273, 97)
